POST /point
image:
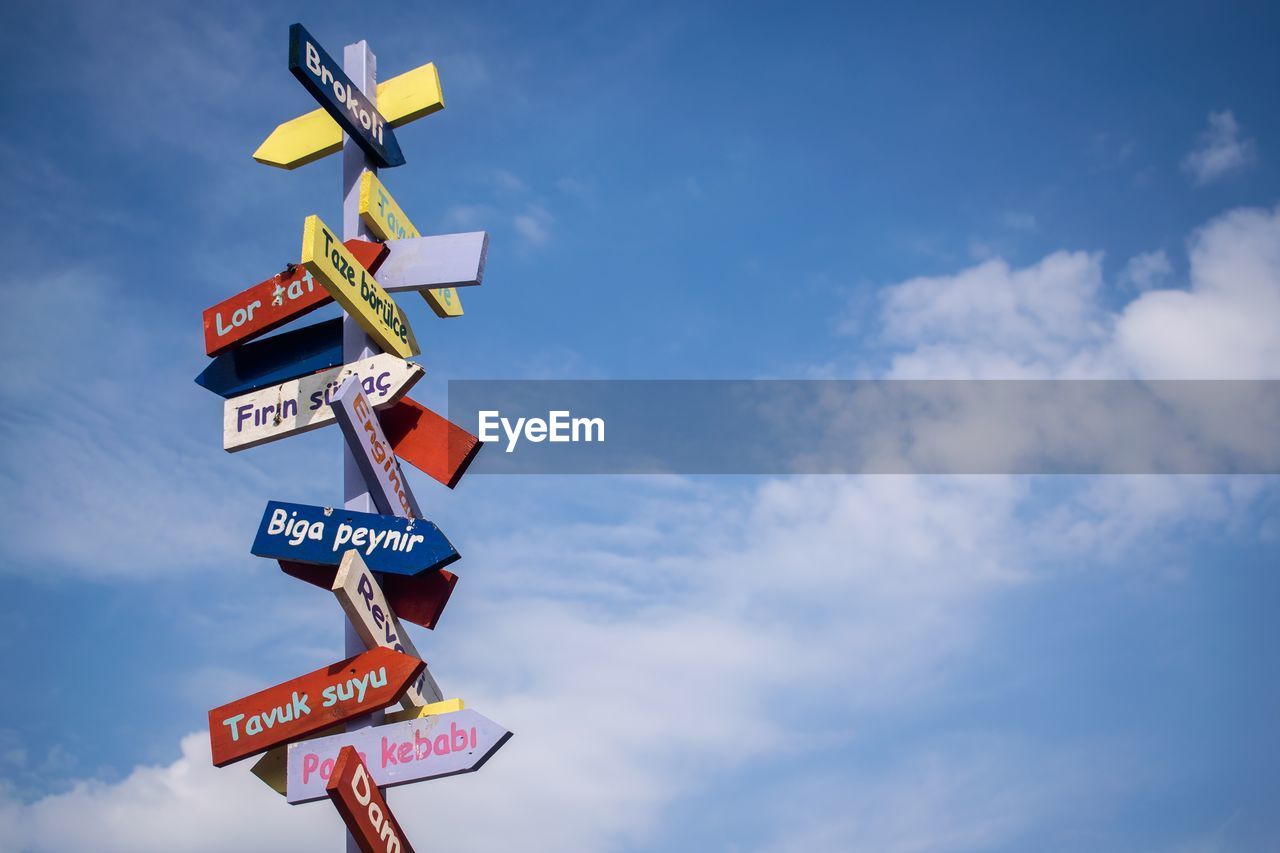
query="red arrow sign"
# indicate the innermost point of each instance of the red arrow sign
(419, 598)
(362, 806)
(310, 703)
(276, 301)
(428, 442)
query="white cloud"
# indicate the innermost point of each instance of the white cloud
(1145, 271)
(534, 225)
(1049, 319)
(1219, 151)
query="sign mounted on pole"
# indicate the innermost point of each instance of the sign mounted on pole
(342, 99)
(435, 446)
(270, 304)
(355, 289)
(398, 753)
(310, 137)
(321, 535)
(272, 767)
(361, 598)
(419, 598)
(440, 260)
(362, 807)
(279, 358)
(385, 219)
(310, 703)
(301, 405)
(370, 450)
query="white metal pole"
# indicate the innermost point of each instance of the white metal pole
(361, 66)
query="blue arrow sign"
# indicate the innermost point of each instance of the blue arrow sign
(279, 358)
(342, 99)
(321, 535)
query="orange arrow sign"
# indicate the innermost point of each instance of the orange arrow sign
(310, 703)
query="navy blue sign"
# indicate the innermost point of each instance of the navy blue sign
(279, 358)
(328, 84)
(321, 535)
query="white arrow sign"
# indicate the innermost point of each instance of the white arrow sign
(361, 598)
(302, 404)
(441, 260)
(396, 754)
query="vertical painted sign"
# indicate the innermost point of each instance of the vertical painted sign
(419, 598)
(363, 808)
(342, 99)
(384, 218)
(361, 598)
(355, 289)
(372, 453)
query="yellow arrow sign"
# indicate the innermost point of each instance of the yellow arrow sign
(273, 766)
(379, 211)
(309, 137)
(355, 289)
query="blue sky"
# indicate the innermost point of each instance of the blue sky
(719, 191)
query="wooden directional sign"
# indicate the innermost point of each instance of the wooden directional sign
(310, 137)
(398, 753)
(388, 487)
(341, 98)
(310, 703)
(362, 807)
(355, 289)
(361, 597)
(419, 598)
(270, 304)
(300, 405)
(435, 446)
(441, 260)
(279, 358)
(321, 535)
(387, 221)
(272, 767)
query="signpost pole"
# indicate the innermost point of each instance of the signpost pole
(361, 66)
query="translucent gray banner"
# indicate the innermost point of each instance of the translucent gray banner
(871, 427)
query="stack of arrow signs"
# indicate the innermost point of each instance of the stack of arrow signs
(382, 567)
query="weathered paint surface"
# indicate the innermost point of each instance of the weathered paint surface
(398, 753)
(361, 598)
(419, 598)
(300, 405)
(310, 137)
(321, 535)
(435, 446)
(362, 807)
(275, 359)
(355, 289)
(280, 299)
(273, 765)
(372, 453)
(324, 78)
(388, 221)
(309, 703)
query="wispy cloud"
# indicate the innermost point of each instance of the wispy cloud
(1219, 151)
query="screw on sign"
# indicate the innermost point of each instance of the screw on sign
(362, 807)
